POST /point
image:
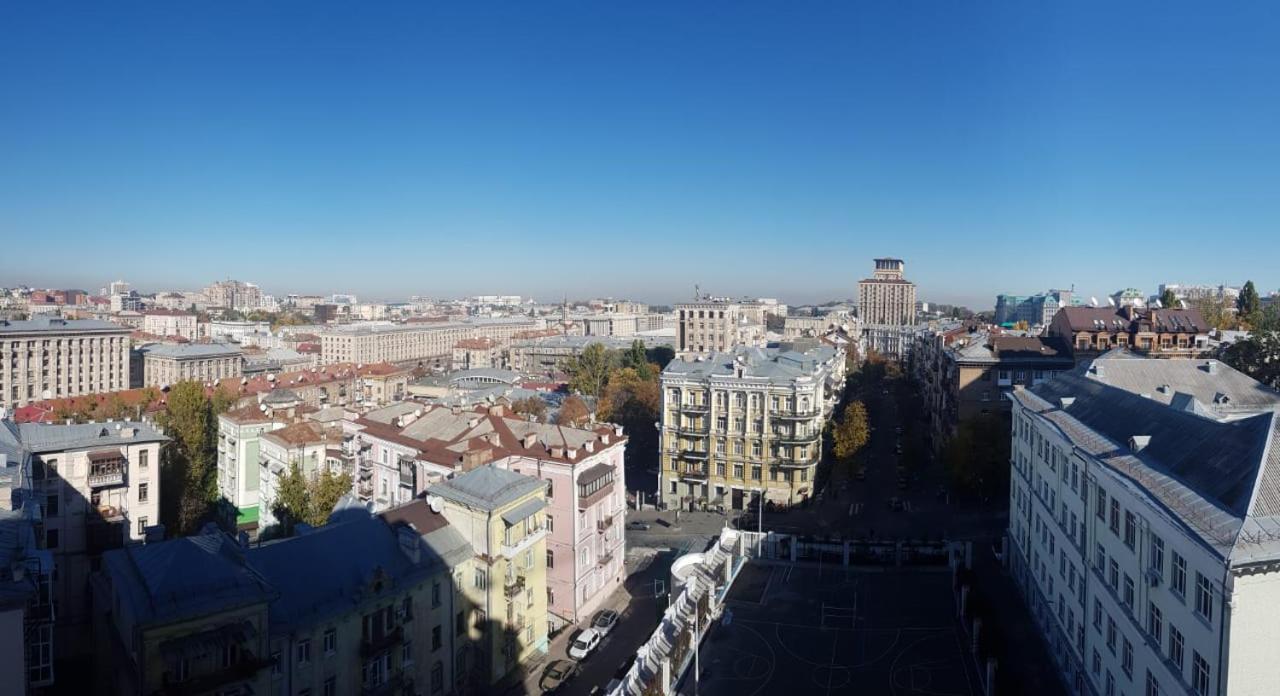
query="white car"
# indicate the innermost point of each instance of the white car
(605, 622)
(582, 646)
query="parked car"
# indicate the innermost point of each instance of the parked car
(637, 525)
(582, 646)
(556, 674)
(605, 621)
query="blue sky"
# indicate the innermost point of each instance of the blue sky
(634, 149)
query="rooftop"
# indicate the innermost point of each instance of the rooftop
(189, 351)
(58, 325)
(771, 364)
(486, 487)
(47, 437)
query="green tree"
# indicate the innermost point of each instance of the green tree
(1216, 312)
(308, 497)
(222, 400)
(636, 358)
(1257, 356)
(291, 503)
(852, 433)
(589, 371)
(188, 468)
(977, 456)
(1169, 299)
(1248, 303)
(661, 355)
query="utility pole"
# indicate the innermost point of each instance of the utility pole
(697, 665)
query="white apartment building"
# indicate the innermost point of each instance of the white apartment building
(738, 424)
(233, 294)
(1143, 525)
(169, 322)
(51, 358)
(99, 487)
(235, 331)
(239, 471)
(304, 443)
(423, 342)
(165, 365)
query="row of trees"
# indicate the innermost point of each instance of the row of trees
(188, 464)
(88, 408)
(1246, 313)
(309, 498)
(624, 387)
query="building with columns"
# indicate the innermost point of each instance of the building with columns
(51, 358)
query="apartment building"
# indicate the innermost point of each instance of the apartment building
(427, 344)
(304, 443)
(550, 353)
(26, 576)
(708, 326)
(1142, 525)
(169, 323)
(50, 358)
(1090, 331)
(1035, 310)
(976, 372)
(749, 422)
(233, 294)
(364, 604)
(472, 353)
(99, 487)
(239, 469)
(165, 365)
(501, 515)
(407, 449)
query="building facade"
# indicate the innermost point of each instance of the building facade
(169, 322)
(165, 365)
(1142, 529)
(239, 468)
(736, 425)
(712, 326)
(1035, 310)
(50, 358)
(1091, 331)
(887, 298)
(26, 596)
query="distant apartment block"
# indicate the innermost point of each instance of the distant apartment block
(233, 330)
(169, 323)
(887, 298)
(424, 343)
(233, 294)
(1091, 331)
(749, 422)
(165, 365)
(1035, 310)
(718, 325)
(50, 358)
(549, 354)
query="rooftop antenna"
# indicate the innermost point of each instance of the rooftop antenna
(697, 292)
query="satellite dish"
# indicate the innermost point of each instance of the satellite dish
(1093, 302)
(1159, 305)
(271, 377)
(434, 503)
(1111, 301)
(262, 407)
(244, 380)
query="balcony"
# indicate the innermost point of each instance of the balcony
(513, 586)
(106, 478)
(700, 455)
(512, 549)
(603, 526)
(605, 560)
(791, 414)
(379, 642)
(695, 408)
(798, 438)
(242, 670)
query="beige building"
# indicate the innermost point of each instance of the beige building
(51, 358)
(426, 343)
(233, 294)
(169, 322)
(501, 515)
(165, 365)
(738, 424)
(717, 325)
(886, 298)
(99, 486)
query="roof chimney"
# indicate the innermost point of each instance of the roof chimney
(1137, 443)
(529, 440)
(1211, 367)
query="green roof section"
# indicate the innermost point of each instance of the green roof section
(248, 515)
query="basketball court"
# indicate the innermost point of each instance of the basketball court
(804, 630)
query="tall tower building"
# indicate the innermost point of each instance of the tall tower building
(886, 298)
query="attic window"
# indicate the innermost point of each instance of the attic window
(1137, 443)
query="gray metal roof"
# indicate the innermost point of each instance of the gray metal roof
(1225, 391)
(1220, 477)
(523, 510)
(486, 487)
(188, 351)
(772, 364)
(48, 437)
(58, 325)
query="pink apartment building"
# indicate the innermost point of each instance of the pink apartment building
(407, 447)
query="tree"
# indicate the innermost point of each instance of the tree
(1216, 312)
(1248, 303)
(188, 470)
(222, 400)
(1257, 356)
(977, 456)
(309, 498)
(636, 358)
(851, 434)
(661, 355)
(573, 411)
(589, 371)
(531, 406)
(1169, 299)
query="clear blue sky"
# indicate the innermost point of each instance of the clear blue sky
(637, 148)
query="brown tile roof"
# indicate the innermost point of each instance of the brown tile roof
(1116, 319)
(416, 513)
(300, 433)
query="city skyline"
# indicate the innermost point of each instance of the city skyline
(636, 151)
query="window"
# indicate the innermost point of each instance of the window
(435, 638)
(51, 538)
(144, 459)
(1113, 575)
(435, 591)
(1128, 592)
(1115, 517)
(1101, 508)
(331, 686)
(755, 473)
(143, 492)
(142, 526)
(1130, 530)
(406, 652)
(304, 651)
(1204, 597)
(1111, 684)
(1153, 686)
(1097, 614)
(1199, 673)
(1155, 622)
(1111, 635)
(1175, 646)
(460, 623)
(1126, 658)
(1157, 555)
(437, 677)
(481, 579)
(1100, 558)
(551, 524)
(1097, 662)
(330, 641)
(51, 505)
(1178, 573)
(551, 559)
(230, 652)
